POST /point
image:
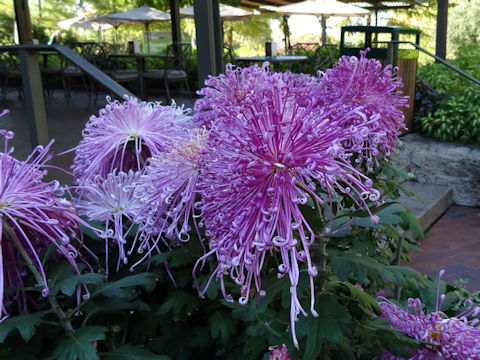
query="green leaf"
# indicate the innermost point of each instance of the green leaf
(123, 287)
(25, 324)
(325, 327)
(412, 223)
(178, 301)
(130, 352)
(221, 325)
(87, 230)
(79, 345)
(360, 267)
(365, 299)
(68, 285)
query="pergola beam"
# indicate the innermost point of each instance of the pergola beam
(31, 78)
(209, 38)
(441, 39)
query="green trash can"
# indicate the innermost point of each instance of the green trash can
(356, 38)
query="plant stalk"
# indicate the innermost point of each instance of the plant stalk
(65, 321)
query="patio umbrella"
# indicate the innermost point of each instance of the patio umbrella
(83, 22)
(142, 15)
(322, 9)
(227, 13)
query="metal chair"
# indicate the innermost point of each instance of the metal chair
(10, 74)
(178, 58)
(228, 56)
(97, 54)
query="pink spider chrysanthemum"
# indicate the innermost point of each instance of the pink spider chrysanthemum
(238, 86)
(263, 162)
(454, 338)
(34, 217)
(124, 135)
(374, 92)
(111, 201)
(168, 191)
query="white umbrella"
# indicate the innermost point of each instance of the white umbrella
(227, 13)
(141, 15)
(322, 9)
(66, 24)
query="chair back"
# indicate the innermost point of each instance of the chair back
(97, 54)
(228, 56)
(179, 56)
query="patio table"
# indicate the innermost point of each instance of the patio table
(275, 60)
(140, 60)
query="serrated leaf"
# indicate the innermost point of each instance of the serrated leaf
(365, 299)
(403, 273)
(130, 352)
(79, 344)
(68, 285)
(177, 301)
(360, 267)
(412, 222)
(325, 327)
(25, 324)
(123, 287)
(221, 325)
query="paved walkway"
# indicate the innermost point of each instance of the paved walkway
(453, 244)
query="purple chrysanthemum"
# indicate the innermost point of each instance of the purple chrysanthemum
(168, 191)
(454, 338)
(124, 135)
(238, 86)
(34, 217)
(263, 162)
(279, 353)
(111, 201)
(374, 92)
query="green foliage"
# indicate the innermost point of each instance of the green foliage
(457, 117)
(25, 324)
(80, 344)
(144, 315)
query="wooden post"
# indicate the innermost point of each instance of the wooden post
(441, 40)
(208, 35)
(31, 79)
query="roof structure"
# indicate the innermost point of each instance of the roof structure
(366, 4)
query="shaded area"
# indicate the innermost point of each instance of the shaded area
(452, 243)
(66, 120)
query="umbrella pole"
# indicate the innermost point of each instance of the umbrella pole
(148, 36)
(286, 33)
(323, 22)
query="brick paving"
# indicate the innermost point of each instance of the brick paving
(453, 244)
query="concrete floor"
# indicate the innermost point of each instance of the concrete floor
(66, 119)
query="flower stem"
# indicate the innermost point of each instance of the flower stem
(65, 321)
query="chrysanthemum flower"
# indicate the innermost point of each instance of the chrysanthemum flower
(239, 86)
(454, 338)
(111, 200)
(168, 191)
(279, 353)
(264, 162)
(374, 93)
(34, 217)
(124, 135)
